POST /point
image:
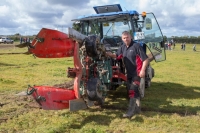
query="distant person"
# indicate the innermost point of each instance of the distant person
(169, 45)
(166, 46)
(25, 39)
(174, 45)
(20, 39)
(194, 47)
(184, 45)
(28, 39)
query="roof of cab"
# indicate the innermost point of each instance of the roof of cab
(106, 12)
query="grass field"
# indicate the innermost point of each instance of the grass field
(171, 104)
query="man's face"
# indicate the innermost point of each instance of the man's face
(126, 39)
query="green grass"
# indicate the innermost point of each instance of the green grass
(171, 104)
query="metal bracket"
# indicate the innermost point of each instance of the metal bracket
(77, 104)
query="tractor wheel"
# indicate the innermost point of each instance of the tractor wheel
(153, 73)
(147, 82)
(94, 91)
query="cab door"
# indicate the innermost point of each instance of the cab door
(153, 38)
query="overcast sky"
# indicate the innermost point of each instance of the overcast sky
(27, 17)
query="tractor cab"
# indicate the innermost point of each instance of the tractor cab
(110, 21)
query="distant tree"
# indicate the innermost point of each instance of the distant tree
(17, 34)
(187, 39)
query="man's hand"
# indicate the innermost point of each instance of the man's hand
(142, 74)
(111, 54)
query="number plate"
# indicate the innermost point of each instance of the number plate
(139, 35)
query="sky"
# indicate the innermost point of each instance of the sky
(27, 17)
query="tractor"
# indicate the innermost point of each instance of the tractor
(94, 73)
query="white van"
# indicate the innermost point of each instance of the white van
(6, 40)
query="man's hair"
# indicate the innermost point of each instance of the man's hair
(125, 33)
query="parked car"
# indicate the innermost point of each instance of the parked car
(6, 40)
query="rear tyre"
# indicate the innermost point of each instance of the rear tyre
(147, 82)
(153, 72)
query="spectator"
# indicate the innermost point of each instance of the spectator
(28, 39)
(169, 45)
(166, 45)
(184, 45)
(194, 47)
(174, 45)
(25, 39)
(20, 40)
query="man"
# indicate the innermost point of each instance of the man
(135, 61)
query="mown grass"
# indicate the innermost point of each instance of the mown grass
(171, 104)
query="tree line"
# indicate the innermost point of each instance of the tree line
(184, 39)
(181, 39)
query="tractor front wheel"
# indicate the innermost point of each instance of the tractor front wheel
(94, 91)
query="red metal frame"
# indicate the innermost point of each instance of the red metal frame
(54, 44)
(77, 65)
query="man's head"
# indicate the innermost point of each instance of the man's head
(126, 38)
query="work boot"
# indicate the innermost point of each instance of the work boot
(131, 108)
(138, 106)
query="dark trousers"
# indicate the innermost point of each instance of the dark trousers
(133, 87)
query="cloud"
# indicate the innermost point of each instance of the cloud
(174, 17)
(68, 3)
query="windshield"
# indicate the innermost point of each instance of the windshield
(108, 31)
(115, 28)
(112, 32)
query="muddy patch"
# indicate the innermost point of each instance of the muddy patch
(14, 105)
